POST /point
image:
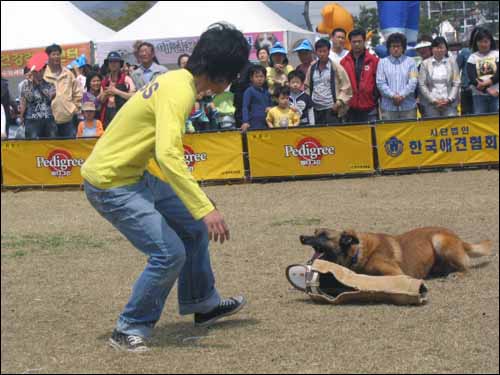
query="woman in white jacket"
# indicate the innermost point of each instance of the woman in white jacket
(439, 82)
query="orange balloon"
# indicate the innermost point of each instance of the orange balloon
(335, 16)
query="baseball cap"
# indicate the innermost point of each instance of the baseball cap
(88, 106)
(114, 56)
(277, 48)
(306, 45)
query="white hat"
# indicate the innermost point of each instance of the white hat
(423, 44)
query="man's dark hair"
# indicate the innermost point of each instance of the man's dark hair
(396, 38)
(152, 48)
(357, 32)
(338, 30)
(220, 54)
(296, 74)
(439, 40)
(146, 44)
(180, 58)
(483, 33)
(322, 43)
(473, 36)
(265, 48)
(281, 90)
(255, 69)
(53, 48)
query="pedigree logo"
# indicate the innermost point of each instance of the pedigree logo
(309, 151)
(192, 157)
(60, 162)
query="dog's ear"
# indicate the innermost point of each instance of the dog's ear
(320, 231)
(347, 239)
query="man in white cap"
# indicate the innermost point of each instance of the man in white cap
(424, 51)
(423, 47)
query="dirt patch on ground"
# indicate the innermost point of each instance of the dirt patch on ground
(66, 274)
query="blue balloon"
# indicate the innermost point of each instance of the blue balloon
(399, 17)
(381, 51)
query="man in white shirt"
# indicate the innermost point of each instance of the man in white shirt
(338, 52)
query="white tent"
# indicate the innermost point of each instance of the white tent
(173, 19)
(174, 26)
(32, 24)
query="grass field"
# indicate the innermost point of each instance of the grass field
(66, 274)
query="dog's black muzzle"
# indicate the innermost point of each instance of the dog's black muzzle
(309, 240)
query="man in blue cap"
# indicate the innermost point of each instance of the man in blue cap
(305, 51)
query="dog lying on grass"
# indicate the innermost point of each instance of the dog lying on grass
(419, 253)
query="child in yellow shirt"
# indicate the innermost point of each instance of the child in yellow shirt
(282, 116)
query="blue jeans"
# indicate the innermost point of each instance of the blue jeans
(484, 104)
(151, 216)
(41, 128)
(66, 130)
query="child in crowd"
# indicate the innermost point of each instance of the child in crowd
(282, 116)
(256, 100)
(299, 100)
(90, 127)
(224, 110)
(203, 118)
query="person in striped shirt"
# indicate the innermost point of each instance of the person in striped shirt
(397, 79)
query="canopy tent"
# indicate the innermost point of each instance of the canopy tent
(174, 27)
(173, 19)
(32, 24)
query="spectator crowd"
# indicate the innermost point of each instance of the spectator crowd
(331, 85)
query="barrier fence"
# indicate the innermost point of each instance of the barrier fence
(282, 153)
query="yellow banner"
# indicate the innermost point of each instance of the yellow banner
(446, 142)
(214, 156)
(44, 163)
(13, 62)
(310, 151)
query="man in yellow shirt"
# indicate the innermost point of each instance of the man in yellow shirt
(169, 222)
(282, 116)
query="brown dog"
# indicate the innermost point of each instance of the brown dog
(419, 253)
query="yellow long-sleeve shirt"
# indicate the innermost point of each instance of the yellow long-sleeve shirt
(150, 126)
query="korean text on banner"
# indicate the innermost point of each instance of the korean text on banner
(211, 156)
(446, 142)
(168, 50)
(44, 163)
(309, 152)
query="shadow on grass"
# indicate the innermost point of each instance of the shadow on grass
(186, 335)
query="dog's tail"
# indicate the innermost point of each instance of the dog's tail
(481, 249)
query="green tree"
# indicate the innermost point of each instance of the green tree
(367, 19)
(132, 11)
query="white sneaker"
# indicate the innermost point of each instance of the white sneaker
(296, 275)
